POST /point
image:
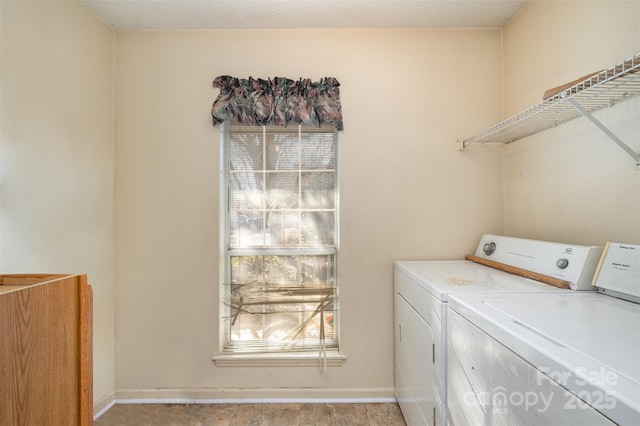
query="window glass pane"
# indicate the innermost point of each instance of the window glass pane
(247, 230)
(317, 269)
(282, 190)
(281, 271)
(317, 229)
(245, 151)
(283, 151)
(317, 190)
(283, 228)
(246, 270)
(246, 191)
(317, 151)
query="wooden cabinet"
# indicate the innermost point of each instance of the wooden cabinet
(46, 350)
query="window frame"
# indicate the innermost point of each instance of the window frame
(331, 356)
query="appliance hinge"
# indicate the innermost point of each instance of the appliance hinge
(434, 416)
(433, 352)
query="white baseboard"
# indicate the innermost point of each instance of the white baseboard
(103, 404)
(243, 396)
(254, 396)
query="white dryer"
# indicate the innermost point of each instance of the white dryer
(423, 288)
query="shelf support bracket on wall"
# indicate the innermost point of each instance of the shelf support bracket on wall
(616, 139)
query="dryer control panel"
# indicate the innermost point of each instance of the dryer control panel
(575, 264)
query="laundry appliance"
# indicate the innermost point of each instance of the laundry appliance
(422, 290)
(569, 358)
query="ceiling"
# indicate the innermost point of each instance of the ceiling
(277, 14)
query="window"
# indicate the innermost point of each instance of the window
(280, 228)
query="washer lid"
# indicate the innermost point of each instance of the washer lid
(445, 277)
(593, 337)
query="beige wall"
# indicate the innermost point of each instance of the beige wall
(571, 183)
(406, 192)
(56, 149)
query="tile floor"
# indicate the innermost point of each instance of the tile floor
(252, 414)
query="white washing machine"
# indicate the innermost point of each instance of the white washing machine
(422, 291)
(543, 359)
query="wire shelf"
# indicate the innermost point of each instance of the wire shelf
(601, 90)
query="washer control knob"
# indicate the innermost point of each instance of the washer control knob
(489, 248)
(562, 263)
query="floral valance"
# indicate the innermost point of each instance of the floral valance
(279, 101)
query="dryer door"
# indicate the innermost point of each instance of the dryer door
(415, 389)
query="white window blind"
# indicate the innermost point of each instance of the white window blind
(279, 190)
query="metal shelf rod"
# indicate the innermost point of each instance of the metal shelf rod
(606, 130)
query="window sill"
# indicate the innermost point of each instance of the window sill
(334, 359)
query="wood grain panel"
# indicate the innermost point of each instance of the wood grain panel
(86, 352)
(26, 279)
(44, 369)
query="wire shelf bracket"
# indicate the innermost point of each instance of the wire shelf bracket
(605, 130)
(602, 90)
